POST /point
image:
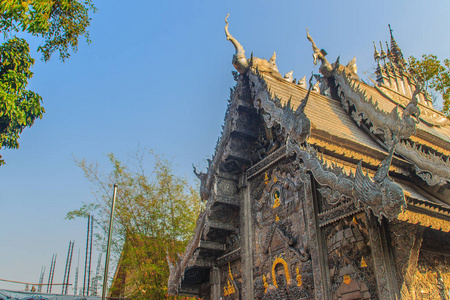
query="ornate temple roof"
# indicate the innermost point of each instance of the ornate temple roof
(340, 129)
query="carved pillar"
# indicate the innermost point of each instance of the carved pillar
(247, 237)
(383, 260)
(317, 250)
(215, 283)
(406, 241)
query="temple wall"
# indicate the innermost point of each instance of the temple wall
(282, 265)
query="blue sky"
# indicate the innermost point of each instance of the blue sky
(157, 75)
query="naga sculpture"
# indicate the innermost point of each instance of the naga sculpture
(239, 60)
(326, 69)
(381, 195)
(241, 63)
(389, 124)
(296, 124)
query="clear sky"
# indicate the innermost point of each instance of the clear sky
(157, 75)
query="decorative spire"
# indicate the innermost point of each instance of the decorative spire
(396, 52)
(389, 53)
(239, 60)
(376, 55)
(383, 54)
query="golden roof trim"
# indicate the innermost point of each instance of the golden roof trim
(424, 220)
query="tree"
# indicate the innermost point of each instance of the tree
(435, 76)
(155, 217)
(60, 23)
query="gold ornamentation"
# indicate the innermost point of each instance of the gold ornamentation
(298, 277)
(277, 218)
(347, 279)
(344, 151)
(420, 141)
(280, 260)
(424, 220)
(363, 262)
(266, 178)
(266, 285)
(276, 198)
(354, 220)
(275, 178)
(229, 288)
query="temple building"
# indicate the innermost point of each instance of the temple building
(328, 189)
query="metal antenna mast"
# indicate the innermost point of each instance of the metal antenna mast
(97, 275)
(41, 279)
(50, 273)
(76, 274)
(90, 254)
(53, 273)
(65, 269)
(86, 258)
(68, 266)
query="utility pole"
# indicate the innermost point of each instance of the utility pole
(108, 247)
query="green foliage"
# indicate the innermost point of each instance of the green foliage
(435, 75)
(155, 217)
(18, 107)
(60, 23)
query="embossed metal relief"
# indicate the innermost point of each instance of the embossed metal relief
(296, 125)
(335, 184)
(231, 284)
(431, 168)
(241, 63)
(391, 125)
(282, 268)
(382, 196)
(350, 259)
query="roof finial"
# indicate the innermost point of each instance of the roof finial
(319, 54)
(376, 54)
(239, 60)
(389, 53)
(383, 54)
(396, 52)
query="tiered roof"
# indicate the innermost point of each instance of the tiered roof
(340, 126)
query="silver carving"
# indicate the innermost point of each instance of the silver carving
(389, 124)
(296, 124)
(381, 195)
(326, 68)
(335, 187)
(239, 60)
(289, 76)
(241, 63)
(431, 168)
(302, 82)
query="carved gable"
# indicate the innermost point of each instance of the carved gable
(331, 189)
